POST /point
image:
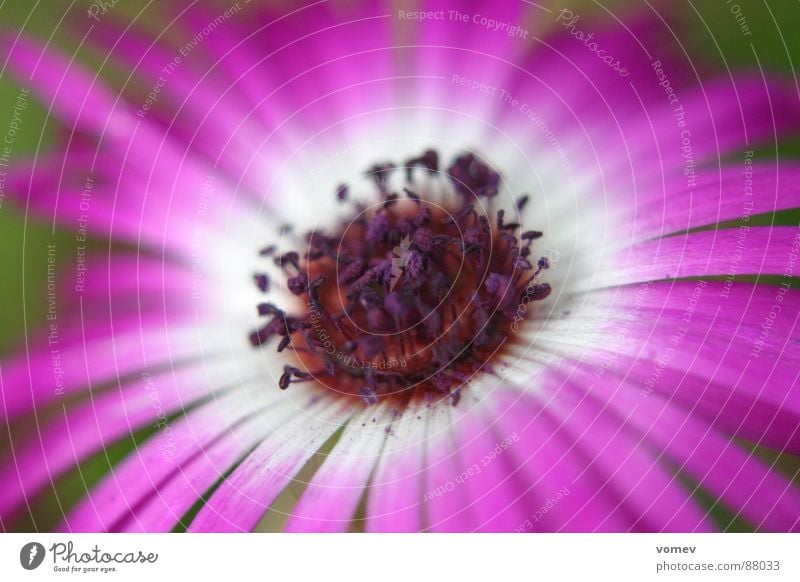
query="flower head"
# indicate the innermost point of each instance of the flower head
(406, 269)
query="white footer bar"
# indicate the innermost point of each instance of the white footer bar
(385, 558)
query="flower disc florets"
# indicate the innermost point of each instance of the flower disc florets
(409, 297)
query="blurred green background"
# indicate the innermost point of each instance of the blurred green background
(708, 29)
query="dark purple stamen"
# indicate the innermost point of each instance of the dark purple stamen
(406, 299)
(262, 282)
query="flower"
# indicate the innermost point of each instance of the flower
(617, 346)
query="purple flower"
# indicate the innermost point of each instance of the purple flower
(503, 283)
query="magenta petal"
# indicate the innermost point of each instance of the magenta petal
(621, 465)
(493, 481)
(652, 497)
(756, 251)
(81, 101)
(723, 195)
(446, 507)
(247, 493)
(331, 498)
(85, 429)
(116, 499)
(161, 508)
(146, 191)
(299, 57)
(723, 116)
(550, 469)
(719, 465)
(396, 496)
(43, 377)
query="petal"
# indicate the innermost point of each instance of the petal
(89, 427)
(245, 495)
(118, 499)
(164, 505)
(743, 482)
(329, 502)
(730, 194)
(743, 251)
(394, 502)
(727, 353)
(80, 100)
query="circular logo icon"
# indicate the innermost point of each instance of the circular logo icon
(31, 555)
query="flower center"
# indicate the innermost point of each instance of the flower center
(409, 297)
